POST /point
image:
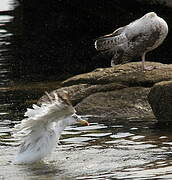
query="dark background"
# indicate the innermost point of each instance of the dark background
(55, 39)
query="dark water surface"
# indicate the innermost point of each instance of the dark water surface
(122, 150)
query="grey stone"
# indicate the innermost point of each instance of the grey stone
(117, 92)
(160, 99)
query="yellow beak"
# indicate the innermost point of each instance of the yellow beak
(84, 122)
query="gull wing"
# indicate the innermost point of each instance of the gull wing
(46, 113)
(36, 132)
(110, 40)
(115, 33)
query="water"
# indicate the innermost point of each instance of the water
(119, 150)
(99, 151)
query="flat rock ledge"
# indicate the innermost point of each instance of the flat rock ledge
(116, 92)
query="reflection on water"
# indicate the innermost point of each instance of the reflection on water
(8, 5)
(4, 49)
(6, 18)
(99, 151)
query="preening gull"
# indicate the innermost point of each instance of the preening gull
(40, 130)
(134, 40)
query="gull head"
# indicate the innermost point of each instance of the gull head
(78, 120)
(150, 15)
(58, 102)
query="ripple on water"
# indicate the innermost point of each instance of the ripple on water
(87, 128)
(137, 137)
(77, 139)
(119, 153)
(5, 130)
(96, 134)
(83, 133)
(121, 135)
(132, 153)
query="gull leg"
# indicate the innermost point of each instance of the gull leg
(143, 61)
(144, 67)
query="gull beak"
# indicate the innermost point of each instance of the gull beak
(80, 120)
(83, 122)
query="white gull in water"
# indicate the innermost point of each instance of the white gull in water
(40, 131)
(134, 40)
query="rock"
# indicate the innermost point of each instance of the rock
(117, 92)
(160, 99)
(78, 92)
(128, 74)
(125, 103)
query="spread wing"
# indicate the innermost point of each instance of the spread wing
(36, 133)
(46, 113)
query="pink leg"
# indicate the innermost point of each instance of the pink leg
(144, 67)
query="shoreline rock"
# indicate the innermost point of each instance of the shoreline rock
(123, 103)
(116, 92)
(129, 74)
(160, 99)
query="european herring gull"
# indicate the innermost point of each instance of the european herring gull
(134, 40)
(40, 130)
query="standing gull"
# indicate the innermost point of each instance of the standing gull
(134, 40)
(41, 129)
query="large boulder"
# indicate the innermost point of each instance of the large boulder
(128, 102)
(160, 99)
(117, 92)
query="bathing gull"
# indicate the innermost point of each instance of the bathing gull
(134, 40)
(40, 130)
